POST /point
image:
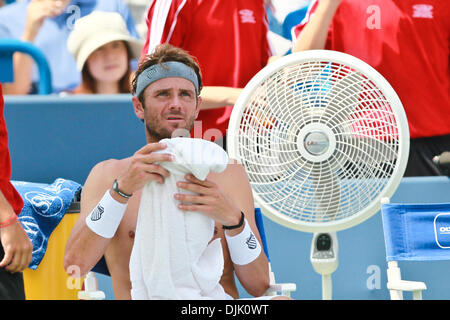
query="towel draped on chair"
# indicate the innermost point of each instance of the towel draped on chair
(44, 207)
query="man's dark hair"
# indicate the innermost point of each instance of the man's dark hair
(165, 53)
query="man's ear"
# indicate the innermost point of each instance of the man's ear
(199, 103)
(138, 107)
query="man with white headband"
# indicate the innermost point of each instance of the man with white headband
(167, 86)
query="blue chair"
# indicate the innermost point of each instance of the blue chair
(284, 289)
(7, 49)
(92, 292)
(414, 232)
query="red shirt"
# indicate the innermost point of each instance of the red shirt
(407, 41)
(228, 38)
(6, 187)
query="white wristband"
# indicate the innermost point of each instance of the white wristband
(244, 247)
(106, 216)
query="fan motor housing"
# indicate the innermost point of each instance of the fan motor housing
(316, 142)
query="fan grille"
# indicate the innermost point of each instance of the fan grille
(319, 141)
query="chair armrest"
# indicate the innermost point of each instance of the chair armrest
(91, 291)
(404, 285)
(284, 288)
(91, 295)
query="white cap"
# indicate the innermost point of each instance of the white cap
(97, 29)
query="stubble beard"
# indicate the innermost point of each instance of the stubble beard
(156, 132)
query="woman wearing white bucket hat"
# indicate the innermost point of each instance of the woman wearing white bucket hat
(103, 49)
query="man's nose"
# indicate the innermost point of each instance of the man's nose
(175, 103)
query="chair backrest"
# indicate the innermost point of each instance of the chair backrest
(262, 233)
(102, 268)
(416, 232)
(8, 47)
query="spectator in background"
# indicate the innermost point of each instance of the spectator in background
(15, 246)
(47, 24)
(408, 43)
(229, 40)
(103, 50)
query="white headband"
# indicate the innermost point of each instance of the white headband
(166, 70)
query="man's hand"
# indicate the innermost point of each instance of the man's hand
(143, 168)
(17, 246)
(208, 199)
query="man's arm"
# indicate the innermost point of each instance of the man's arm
(16, 244)
(217, 97)
(253, 276)
(314, 34)
(84, 248)
(13, 238)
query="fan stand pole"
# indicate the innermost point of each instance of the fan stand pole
(326, 287)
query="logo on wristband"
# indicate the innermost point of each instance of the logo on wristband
(251, 241)
(97, 213)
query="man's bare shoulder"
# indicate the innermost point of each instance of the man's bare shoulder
(233, 175)
(110, 167)
(233, 167)
(103, 174)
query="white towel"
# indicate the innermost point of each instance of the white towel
(171, 257)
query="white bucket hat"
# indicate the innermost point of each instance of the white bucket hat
(97, 29)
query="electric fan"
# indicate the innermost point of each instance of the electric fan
(323, 137)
